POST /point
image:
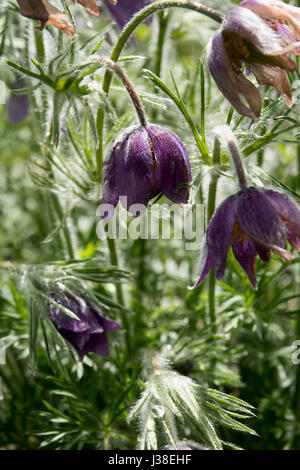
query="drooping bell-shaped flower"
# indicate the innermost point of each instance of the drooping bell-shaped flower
(253, 222)
(89, 332)
(258, 34)
(124, 10)
(144, 162)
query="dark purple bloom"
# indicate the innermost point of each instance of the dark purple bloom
(255, 34)
(145, 162)
(88, 333)
(17, 105)
(124, 10)
(253, 222)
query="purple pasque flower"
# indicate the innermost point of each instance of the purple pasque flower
(17, 104)
(124, 10)
(253, 222)
(144, 162)
(259, 34)
(89, 332)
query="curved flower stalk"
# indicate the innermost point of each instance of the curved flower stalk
(253, 222)
(259, 34)
(87, 333)
(144, 162)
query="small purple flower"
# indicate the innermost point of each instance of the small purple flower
(145, 162)
(88, 333)
(253, 222)
(17, 104)
(124, 10)
(255, 33)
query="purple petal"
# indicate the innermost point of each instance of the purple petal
(259, 220)
(88, 320)
(125, 10)
(263, 251)
(232, 83)
(245, 253)
(173, 162)
(219, 234)
(205, 265)
(255, 30)
(268, 37)
(77, 340)
(98, 343)
(136, 170)
(277, 10)
(289, 214)
(106, 323)
(274, 76)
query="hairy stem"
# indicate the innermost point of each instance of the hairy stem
(40, 50)
(227, 134)
(212, 191)
(163, 26)
(129, 86)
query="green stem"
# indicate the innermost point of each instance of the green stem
(163, 26)
(126, 33)
(212, 191)
(119, 292)
(162, 31)
(296, 399)
(228, 135)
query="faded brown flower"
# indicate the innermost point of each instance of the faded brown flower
(46, 13)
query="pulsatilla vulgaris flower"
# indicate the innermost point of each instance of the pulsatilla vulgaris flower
(144, 163)
(88, 333)
(46, 13)
(253, 221)
(125, 9)
(259, 34)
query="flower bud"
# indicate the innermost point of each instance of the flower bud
(88, 333)
(145, 162)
